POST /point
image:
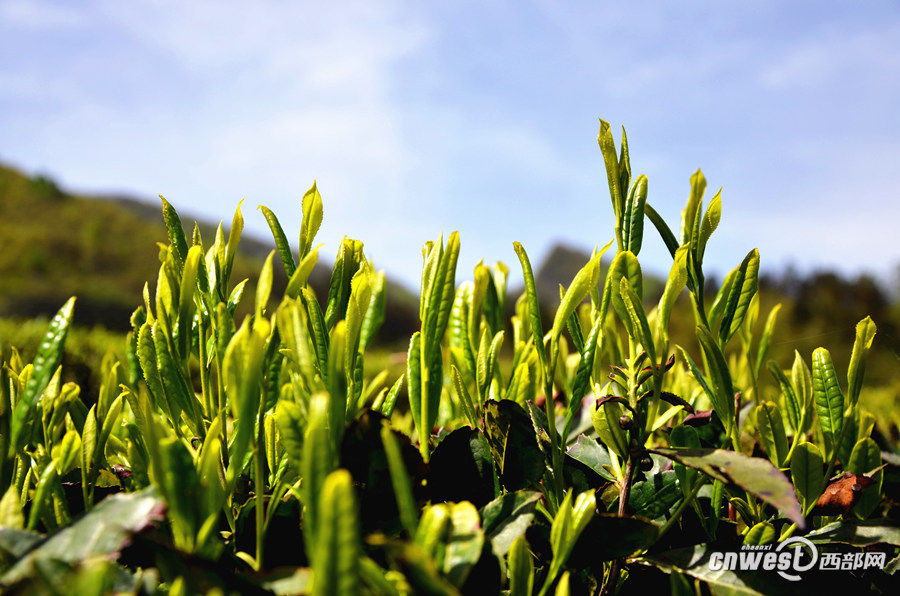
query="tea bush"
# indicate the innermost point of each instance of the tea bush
(261, 454)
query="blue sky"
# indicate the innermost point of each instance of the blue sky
(422, 117)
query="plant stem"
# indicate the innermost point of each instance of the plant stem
(624, 493)
(698, 483)
(837, 445)
(259, 478)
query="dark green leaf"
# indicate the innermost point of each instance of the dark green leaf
(511, 437)
(507, 517)
(808, 473)
(654, 497)
(590, 453)
(771, 432)
(103, 530)
(753, 474)
(461, 468)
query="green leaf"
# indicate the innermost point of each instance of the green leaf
(771, 432)
(674, 285)
(534, 310)
(387, 407)
(584, 280)
(696, 562)
(406, 503)
(663, 228)
(790, 401)
(506, 518)
(625, 264)
(760, 534)
(865, 334)
(865, 457)
(605, 418)
(710, 223)
(234, 238)
(313, 213)
(281, 241)
(186, 301)
(264, 285)
(744, 287)
(46, 361)
(765, 340)
(859, 533)
(639, 324)
(301, 274)
(568, 525)
(521, 568)
(510, 434)
(349, 258)
(175, 230)
(103, 530)
(317, 462)
(722, 395)
(684, 436)
(608, 537)
(465, 399)
(464, 542)
(656, 495)
(689, 225)
(608, 148)
(11, 510)
(338, 551)
(633, 224)
(589, 452)
(755, 475)
(829, 399)
(290, 420)
(178, 482)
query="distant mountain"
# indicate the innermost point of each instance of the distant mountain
(55, 244)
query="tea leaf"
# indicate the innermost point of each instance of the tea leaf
(722, 394)
(829, 399)
(790, 400)
(175, 230)
(765, 340)
(584, 280)
(521, 568)
(336, 562)
(865, 334)
(507, 517)
(510, 435)
(406, 503)
(663, 228)
(771, 432)
(605, 418)
(866, 456)
(633, 224)
(589, 452)
(744, 287)
(281, 241)
(46, 361)
(656, 495)
(808, 473)
(313, 213)
(753, 474)
(710, 223)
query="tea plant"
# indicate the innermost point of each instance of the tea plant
(261, 455)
